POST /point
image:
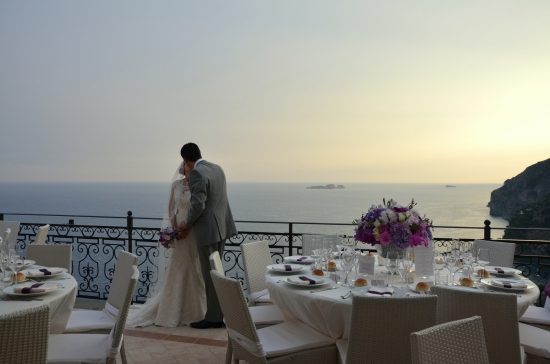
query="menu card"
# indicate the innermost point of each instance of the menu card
(366, 264)
(423, 260)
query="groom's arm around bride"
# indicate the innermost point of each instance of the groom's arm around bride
(211, 219)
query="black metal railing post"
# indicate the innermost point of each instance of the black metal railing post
(130, 227)
(487, 230)
(71, 221)
(290, 238)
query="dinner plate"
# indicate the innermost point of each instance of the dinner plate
(325, 281)
(9, 291)
(362, 292)
(487, 282)
(294, 259)
(302, 268)
(508, 273)
(46, 277)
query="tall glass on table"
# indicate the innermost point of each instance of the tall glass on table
(315, 252)
(347, 259)
(15, 264)
(439, 264)
(483, 258)
(392, 264)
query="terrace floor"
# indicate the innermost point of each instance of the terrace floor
(163, 345)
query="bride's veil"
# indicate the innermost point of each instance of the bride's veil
(169, 219)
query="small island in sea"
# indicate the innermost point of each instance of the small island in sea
(327, 187)
(450, 186)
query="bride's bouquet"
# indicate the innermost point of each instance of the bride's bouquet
(167, 237)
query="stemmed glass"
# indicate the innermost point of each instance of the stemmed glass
(392, 264)
(483, 257)
(4, 262)
(407, 263)
(347, 259)
(454, 265)
(15, 263)
(316, 256)
(439, 263)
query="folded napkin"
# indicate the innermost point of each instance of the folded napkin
(287, 267)
(35, 288)
(44, 272)
(305, 280)
(508, 284)
(304, 259)
(379, 291)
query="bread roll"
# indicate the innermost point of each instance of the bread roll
(422, 287)
(483, 273)
(361, 282)
(21, 277)
(370, 255)
(331, 266)
(465, 281)
(318, 272)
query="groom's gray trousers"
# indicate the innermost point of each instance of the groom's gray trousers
(213, 310)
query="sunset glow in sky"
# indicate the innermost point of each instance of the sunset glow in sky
(280, 91)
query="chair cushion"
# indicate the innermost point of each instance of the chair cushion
(342, 346)
(86, 348)
(290, 337)
(266, 315)
(88, 320)
(535, 341)
(536, 315)
(266, 298)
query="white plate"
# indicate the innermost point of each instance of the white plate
(510, 272)
(487, 282)
(325, 281)
(302, 268)
(362, 292)
(294, 259)
(9, 291)
(28, 262)
(46, 277)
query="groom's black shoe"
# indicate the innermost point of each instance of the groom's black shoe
(206, 325)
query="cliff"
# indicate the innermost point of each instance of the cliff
(526, 188)
(533, 215)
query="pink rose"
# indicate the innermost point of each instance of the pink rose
(385, 238)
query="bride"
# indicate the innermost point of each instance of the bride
(179, 296)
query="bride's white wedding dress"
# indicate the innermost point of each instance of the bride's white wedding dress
(182, 298)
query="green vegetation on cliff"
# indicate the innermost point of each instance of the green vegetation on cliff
(535, 215)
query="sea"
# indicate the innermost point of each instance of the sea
(267, 207)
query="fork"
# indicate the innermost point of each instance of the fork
(346, 295)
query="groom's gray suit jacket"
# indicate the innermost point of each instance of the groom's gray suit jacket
(210, 214)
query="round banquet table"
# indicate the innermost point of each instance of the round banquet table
(328, 313)
(61, 302)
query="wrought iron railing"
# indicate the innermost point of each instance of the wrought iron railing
(95, 248)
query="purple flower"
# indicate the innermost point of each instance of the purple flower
(385, 238)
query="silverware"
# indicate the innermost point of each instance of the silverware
(323, 289)
(346, 295)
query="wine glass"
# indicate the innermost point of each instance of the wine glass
(316, 256)
(439, 263)
(347, 259)
(15, 264)
(455, 247)
(483, 257)
(454, 265)
(392, 264)
(4, 262)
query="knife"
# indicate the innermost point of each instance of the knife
(323, 289)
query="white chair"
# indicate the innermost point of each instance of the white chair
(539, 316)
(24, 336)
(307, 243)
(501, 253)
(94, 348)
(535, 342)
(101, 322)
(256, 257)
(41, 234)
(51, 255)
(381, 327)
(498, 312)
(457, 342)
(11, 236)
(290, 342)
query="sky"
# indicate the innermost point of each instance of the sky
(317, 91)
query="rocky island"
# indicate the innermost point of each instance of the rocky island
(327, 187)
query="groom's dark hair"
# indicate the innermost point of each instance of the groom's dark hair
(191, 152)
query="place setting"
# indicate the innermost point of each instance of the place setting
(29, 291)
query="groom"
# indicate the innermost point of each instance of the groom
(212, 222)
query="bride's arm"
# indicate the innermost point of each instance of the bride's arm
(171, 208)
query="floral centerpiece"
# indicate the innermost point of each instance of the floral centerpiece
(393, 226)
(168, 237)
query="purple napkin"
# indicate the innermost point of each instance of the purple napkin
(300, 259)
(46, 272)
(288, 268)
(311, 281)
(547, 289)
(28, 289)
(500, 271)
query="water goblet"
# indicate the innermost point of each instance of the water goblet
(439, 264)
(483, 257)
(4, 262)
(316, 256)
(454, 265)
(348, 262)
(392, 264)
(15, 264)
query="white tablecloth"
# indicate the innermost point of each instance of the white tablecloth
(61, 303)
(328, 313)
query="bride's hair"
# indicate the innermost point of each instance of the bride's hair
(191, 152)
